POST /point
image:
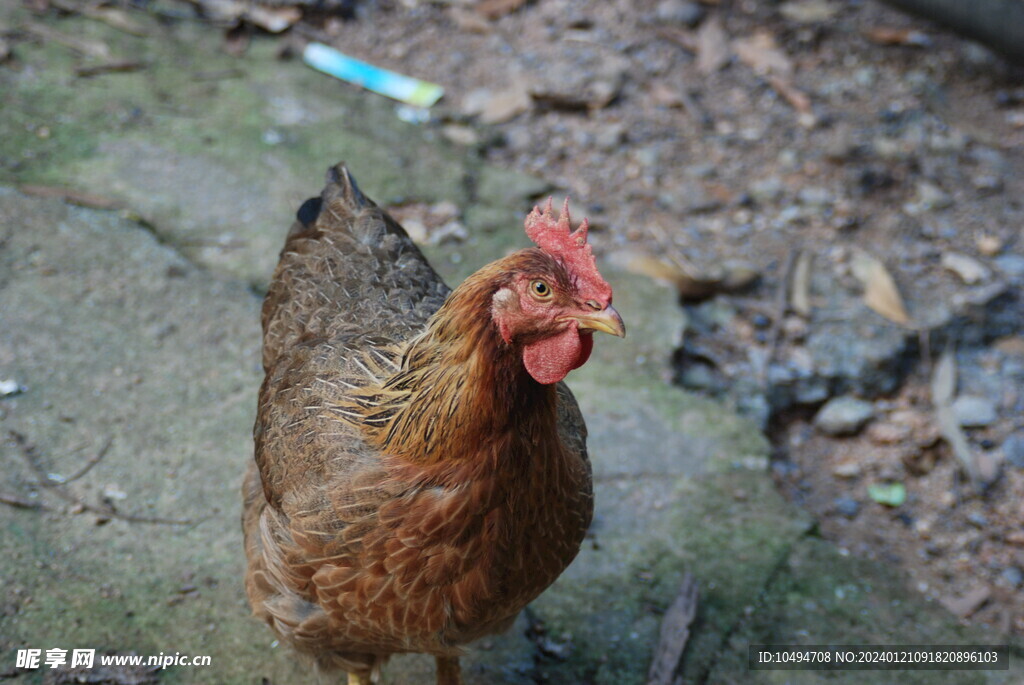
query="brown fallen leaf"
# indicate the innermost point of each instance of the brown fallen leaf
(880, 291)
(83, 46)
(468, 20)
(800, 287)
(74, 197)
(110, 16)
(19, 502)
(689, 281)
(496, 106)
(887, 35)
(943, 389)
(273, 19)
(968, 604)
(117, 19)
(797, 99)
(761, 53)
(713, 51)
(674, 633)
(664, 95)
(496, 9)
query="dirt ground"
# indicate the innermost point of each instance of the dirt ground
(710, 135)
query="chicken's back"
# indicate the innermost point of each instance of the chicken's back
(349, 274)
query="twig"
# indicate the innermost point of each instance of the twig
(109, 67)
(674, 634)
(20, 502)
(90, 463)
(27, 451)
(75, 197)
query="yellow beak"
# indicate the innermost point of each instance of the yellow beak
(606, 321)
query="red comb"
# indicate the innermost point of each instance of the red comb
(570, 247)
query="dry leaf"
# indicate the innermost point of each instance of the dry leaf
(712, 46)
(111, 16)
(496, 9)
(89, 48)
(944, 379)
(880, 291)
(690, 282)
(969, 603)
(467, 20)
(953, 434)
(664, 95)
(74, 197)
(800, 288)
(761, 53)
(885, 35)
(674, 633)
(498, 106)
(809, 11)
(969, 269)
(796, 98)
(273, 19)
(943, 391)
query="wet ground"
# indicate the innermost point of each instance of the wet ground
(709, 145)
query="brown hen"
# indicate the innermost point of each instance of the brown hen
(421, 471)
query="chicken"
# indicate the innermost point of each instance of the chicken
(420, 471)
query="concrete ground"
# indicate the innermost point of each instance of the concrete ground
(138, 326)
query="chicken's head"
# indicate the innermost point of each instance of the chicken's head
(555, 298)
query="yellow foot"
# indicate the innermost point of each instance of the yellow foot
(355, 679)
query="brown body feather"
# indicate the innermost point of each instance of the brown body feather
(413, 488)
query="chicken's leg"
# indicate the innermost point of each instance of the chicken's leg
(448, 671)
(356, 679)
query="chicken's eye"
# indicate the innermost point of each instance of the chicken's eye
(540, 290)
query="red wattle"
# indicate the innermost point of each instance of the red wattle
(550, 360)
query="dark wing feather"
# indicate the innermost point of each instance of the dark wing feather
(348, 272)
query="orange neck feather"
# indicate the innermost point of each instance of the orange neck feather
(462, 391)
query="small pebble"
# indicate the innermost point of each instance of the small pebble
(843, 416)
(766, 190)
(1010, 264)
(888, 433)
(847, 469)
(1013, 450)
(679, 12)
(974, 412)
(978, 520)
(1013, 576)
(847, 506)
